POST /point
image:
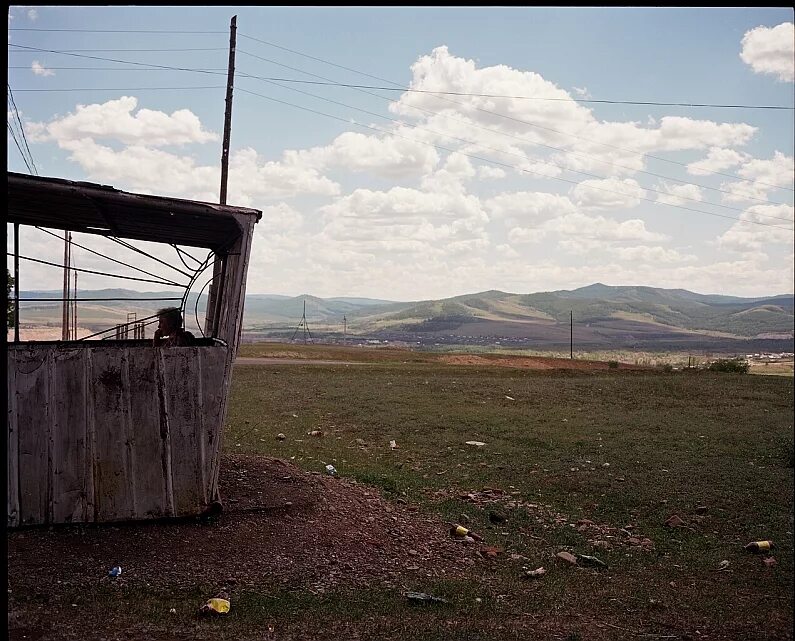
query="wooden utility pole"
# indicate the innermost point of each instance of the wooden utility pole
(571, 334)
(230, 84)
(67, 260)
(212, 313)
(16, 282)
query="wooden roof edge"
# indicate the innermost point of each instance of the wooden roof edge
(148, 201)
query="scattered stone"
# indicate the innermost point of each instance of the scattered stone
(491, 552)
(421, 597)
(568, 557)
(591, 561)
(476, 443)
(604, 545)
(647, 544)
(393, 445)
(315, 433)
(769, 562)
(497, 517)
(361, 442)
(723, 565)
(510, 398)
(701, 509)
(674, 521)
(281, 436)
(535, 574)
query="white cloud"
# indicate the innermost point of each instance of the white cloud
(771, 50)
(402, 214)
(114, 120)
(582, 92)
(529, 205)
(486, 172)
(40, 70)
(679, 194)
(776, 171)
(747, 236)
(717, 160)
(386, 155)
(651, 254)
(612, 193)
(601, 228)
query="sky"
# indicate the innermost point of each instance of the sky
(511, 180)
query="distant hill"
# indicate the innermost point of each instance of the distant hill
(603, 315)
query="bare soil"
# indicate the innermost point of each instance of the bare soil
(280, 527)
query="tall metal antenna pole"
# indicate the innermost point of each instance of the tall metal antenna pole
(212, 313)
(74, 310)
(344, 329)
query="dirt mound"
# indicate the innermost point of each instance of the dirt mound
(280, 526)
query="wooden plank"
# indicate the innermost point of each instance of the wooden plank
(148, 442)
(114, 497)
(13, 442)
(33, 423)
(69, 461)
(213, 364)
(181, 392)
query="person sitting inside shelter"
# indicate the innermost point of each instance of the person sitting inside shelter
(169, 332)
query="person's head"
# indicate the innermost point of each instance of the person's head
(170, 320)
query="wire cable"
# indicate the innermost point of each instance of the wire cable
(522, 156)
(495, 162)
(494, 113)
(501, 133)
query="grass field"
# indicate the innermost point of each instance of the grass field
(616, 448)
(621, 448)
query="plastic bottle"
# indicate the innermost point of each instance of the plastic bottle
(760, 546)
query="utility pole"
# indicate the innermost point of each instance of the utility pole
(571, 334)
(344, 329)
(215, 293)
(67, 259)
(74, 310)
(16, 282)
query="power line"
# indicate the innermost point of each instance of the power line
(16, 142)
(136, 50)
(509, 135)
(495, 162)
(153, 66)
(112, 30)
(486, 95)
(128, 62)
(495, 113)
(523, 156)
(22, 129)
(119, 89)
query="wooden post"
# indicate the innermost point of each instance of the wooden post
(215, 293)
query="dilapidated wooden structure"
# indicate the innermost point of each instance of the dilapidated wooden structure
(116, 430)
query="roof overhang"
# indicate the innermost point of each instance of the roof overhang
(90, 208)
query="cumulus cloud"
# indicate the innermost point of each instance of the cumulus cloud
(40, 70)
(529, 206)
(115, 120)
(718, 159)
(761, 177)
(612, 193)
(391, 156)
(678, 194)
(776, 229)
(771, 50)
(651, 254)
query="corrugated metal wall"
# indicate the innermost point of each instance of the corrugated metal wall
(113, 433)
